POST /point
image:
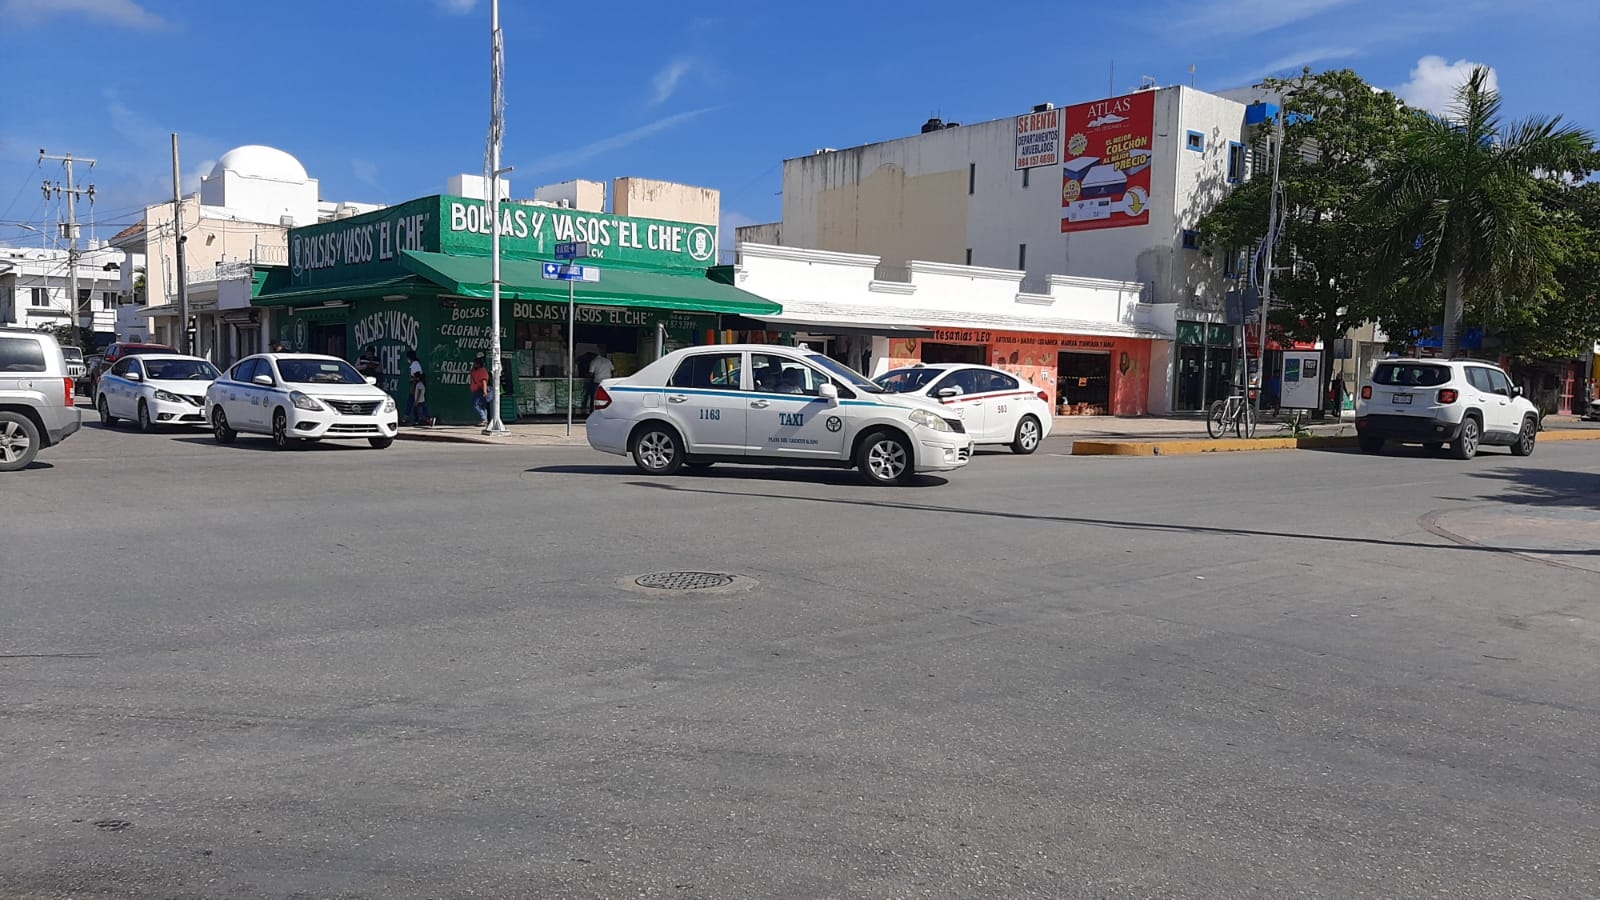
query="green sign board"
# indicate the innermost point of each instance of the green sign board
(362, 248)
(531, 232)
(366, 248)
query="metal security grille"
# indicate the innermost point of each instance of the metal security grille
(683, 581)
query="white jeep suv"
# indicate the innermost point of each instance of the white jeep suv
(1463, 402)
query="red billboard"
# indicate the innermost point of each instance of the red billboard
(1105, 179)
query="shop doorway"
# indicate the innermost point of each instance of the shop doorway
(328, 339)
(975, 354)
(1083, 383)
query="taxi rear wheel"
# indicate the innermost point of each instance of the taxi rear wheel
(1027, 437)
(885, 458)
(657, 450)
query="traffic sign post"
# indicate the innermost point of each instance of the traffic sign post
(571, 274)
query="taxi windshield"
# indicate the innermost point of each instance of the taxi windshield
(319, 371)
(905, 381)
(180, 370)
(844, 373)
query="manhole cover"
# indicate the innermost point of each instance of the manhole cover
(683, 581)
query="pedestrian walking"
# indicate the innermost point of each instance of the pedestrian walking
(482, 389)
(415, 370)
(418, 401)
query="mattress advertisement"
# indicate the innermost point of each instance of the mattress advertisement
(1105, 179)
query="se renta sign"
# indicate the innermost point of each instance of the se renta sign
(1038, 139)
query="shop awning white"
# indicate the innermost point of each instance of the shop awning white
(818, 317)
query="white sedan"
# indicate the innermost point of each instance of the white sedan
(770, 405)
(995, 406)
(300, 397)
(153, 390)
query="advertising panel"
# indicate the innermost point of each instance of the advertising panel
(1105, 180)
(1038, 139)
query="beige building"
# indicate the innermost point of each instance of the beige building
(647, 198)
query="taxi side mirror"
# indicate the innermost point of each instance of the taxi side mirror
(947, 392)
(829, 392)
(372, 379)
(134, 376)
(264, 380)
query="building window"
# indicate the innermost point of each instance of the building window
(40, 297)
(1022, 256)
(1025, 177)
(1236, 158)
(1191, 239)
(1195, 141)
(969, 256)
(972, 178)
(1230, 263)
(84, 299)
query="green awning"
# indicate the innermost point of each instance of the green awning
(407, 286)
(522, 279)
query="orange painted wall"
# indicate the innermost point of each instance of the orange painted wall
(1033, 358)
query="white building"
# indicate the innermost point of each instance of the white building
(35, 287)
(239, 220)
(1106, 190)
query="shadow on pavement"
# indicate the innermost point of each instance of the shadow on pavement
(1530, 485)
(734, 473)
(1120, 525)
(253, 442)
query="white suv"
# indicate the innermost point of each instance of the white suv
(1463, 402)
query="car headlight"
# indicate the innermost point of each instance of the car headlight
(929, 419)
(168, 397)
(301, 401)
(388, 405)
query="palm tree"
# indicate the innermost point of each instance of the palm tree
(1460, 196)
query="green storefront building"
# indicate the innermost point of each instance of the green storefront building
(416, 276)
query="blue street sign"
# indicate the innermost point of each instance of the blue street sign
(570, 272)
(572, 250)
(551, 270)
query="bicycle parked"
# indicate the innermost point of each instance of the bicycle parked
(1234, 413)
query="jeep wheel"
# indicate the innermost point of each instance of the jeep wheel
(1370, 444)
(19, 441)
(1526, 437)
(1465, 446)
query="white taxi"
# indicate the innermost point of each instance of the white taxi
(996, 406)
(764, 404)
(300, 397)
(158, 389)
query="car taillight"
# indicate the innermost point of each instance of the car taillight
(1448, 396)
(601, 398)
(1042, 396)
(1366, 392)
(71, 389)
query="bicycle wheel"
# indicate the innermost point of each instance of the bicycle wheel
(1245, 422)
(1217, 419)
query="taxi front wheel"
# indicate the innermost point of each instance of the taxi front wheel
(885, 458)
(657, 450)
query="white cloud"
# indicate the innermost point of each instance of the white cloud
(191, 180)
(1434, 83)
(1244, 18)
(124, 13)
(667, 80)
(610, 144)
(366, 171)
(1288, 65)
(456, 7)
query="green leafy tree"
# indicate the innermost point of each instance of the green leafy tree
(1563, 319)
(1337, 130)
(1460, 200)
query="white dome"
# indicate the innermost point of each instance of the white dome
(256, 161)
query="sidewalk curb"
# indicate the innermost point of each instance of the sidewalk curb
(1570, 434)
(1190, 448)
(510, 440)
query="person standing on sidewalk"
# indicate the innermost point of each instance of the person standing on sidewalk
(482, 390)
(418, 403)
(600, 368)
(415, 370)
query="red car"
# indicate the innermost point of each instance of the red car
(117, 351)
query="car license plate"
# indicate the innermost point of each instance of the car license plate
(1402, 399)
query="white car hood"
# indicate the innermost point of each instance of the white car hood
(181, 386)
(914, 401)
(341, 391)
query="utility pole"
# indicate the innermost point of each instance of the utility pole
(184, 345)
(1272, 239)
(71, 192)
(497, 111)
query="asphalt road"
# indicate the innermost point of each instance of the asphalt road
(339, 672)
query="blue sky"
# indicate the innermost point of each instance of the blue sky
(383, 101)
